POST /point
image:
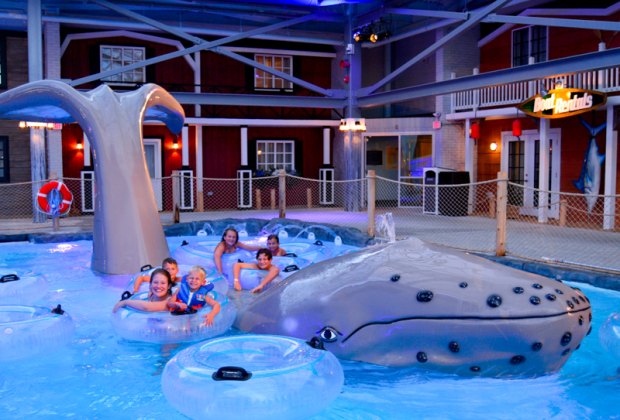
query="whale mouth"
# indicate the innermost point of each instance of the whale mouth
(463, 318)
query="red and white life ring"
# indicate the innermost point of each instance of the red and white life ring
(48, 205)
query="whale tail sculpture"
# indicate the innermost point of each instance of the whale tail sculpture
(127, 230)
(589, 181)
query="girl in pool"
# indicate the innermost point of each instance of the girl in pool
(159, 293)
(228, 245)
(273, 244)
(263, 262)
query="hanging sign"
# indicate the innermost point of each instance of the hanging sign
(560, 103)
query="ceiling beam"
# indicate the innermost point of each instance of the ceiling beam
(584, 62)
(190, 98)
(476, 17)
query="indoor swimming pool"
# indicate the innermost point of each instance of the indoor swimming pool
(100, 375)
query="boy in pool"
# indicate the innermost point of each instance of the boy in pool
(263, 262)
(273, 244)
(192, 294)
(170, 265)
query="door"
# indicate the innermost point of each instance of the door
(152, 153)
(521, 161)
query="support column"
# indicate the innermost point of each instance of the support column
(199, 172)
(52, 71)
(470, 145)
(543, 172)
(183, 194)
(185, 147)
(244, 174)
(326, 172)
(244, 146)
(87, 179)
(611, 169)
(38, 164)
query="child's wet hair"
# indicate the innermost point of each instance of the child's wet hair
(169, 260)
(265, 251)
(199, 269)
(274, 236)
(231, 230)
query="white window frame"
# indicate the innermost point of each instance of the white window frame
(130, 77)
(267, 81)
(529, 44)
(270, 159)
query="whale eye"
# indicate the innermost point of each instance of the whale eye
(329, 334)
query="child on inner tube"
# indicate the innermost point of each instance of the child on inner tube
(263, 262)
(192, 295)
(228, 245)
(170, 265)
(159, 293)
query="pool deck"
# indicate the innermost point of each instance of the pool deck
(592, 257)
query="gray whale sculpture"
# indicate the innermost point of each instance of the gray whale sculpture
(410, 303)
(127, 230)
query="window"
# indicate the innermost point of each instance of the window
(530, 41)
(3, 71)
(275, 154)
(264, 80)
(4, 159)
(115, 57)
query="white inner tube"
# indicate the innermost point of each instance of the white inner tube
(21, 288)
(163, 327)
(27, 331)
(288, 378)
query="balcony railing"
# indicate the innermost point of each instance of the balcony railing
(607, 80)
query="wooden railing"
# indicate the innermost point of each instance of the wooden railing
(607, 80)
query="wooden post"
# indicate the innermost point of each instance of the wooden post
(491, 200)
(371, 202)
(309, 197)
(563, 212)
(273, 198)
(282, 194)
(259, 203)
(502, 201)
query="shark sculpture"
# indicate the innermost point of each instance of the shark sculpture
(127, 230)
(410, 303)
(589, 181)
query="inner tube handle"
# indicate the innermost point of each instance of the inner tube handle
(290, 254)
(231, 373)
(146, 267)
(318, 242)
(9, 277)
(289, 268)
(58, 310)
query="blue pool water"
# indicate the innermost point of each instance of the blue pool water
(99, 375)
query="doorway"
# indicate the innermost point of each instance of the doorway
(152, 154)
(521, 161)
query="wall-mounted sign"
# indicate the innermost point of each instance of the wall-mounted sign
(560, 103)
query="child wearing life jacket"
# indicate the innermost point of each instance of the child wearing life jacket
(192, 294)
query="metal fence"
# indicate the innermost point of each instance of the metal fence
(524, 222)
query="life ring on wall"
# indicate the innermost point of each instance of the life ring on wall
(54, 198)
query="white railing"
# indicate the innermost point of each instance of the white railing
(607, 80)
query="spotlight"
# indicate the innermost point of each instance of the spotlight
(362, 33)
(379, 35)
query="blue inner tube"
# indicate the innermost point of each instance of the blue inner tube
(163, 327)
(262, 376)
(27, 331)
(21, 288)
